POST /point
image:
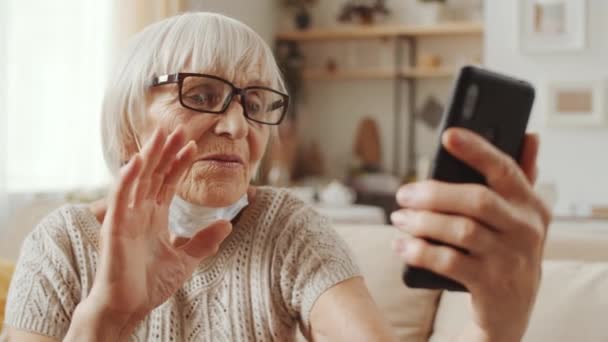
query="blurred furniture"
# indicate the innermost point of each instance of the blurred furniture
(6, 271)
(368, 147)
(403, 35)
(384, 200)
(571, 306)
(353, 214)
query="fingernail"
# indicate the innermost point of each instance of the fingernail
(400, 217)
(459, 137)
(398, 245)
(406, 193)
(185, 150)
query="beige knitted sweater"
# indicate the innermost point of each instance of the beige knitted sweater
(280, 257)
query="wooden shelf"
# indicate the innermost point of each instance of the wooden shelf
(373, 32)
(428, 73)
(376, 74)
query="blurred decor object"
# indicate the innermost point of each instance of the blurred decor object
(430, 11)
(548, 193)
(575, 103)
(428, 61)
(381, 183)
(599, 212)
(309, 162)
(585, 211)
(291, 62)
(368, 151)
(337, 194)
(363, 12)
(423, 168)
(354, 214)
(306, 193)
(302, 16)
(431, 112)
(550, 26)
(331, 65)
(6, 271)
(462, 11)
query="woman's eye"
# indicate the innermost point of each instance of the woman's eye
(204, 98)
(253, 107)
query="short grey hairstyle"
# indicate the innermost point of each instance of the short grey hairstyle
(190, 42)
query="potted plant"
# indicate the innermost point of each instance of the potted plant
(364, 12)
(430, 11)
(302, 16)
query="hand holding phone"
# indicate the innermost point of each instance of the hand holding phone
(496, 107)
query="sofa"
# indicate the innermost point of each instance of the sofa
(572, 303)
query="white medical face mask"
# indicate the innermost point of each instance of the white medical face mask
(187, 219)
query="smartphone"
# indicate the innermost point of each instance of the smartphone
(496, 107)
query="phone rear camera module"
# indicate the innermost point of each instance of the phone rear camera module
(470, 102)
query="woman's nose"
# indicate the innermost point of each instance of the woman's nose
(233, 122)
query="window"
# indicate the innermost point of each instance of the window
(56, 59)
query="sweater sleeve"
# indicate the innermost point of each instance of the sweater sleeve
(310, 258)
(44, 289)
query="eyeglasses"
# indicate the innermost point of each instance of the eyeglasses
(211, 94)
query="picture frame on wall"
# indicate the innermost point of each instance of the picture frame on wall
(576, 103)
(552, 25)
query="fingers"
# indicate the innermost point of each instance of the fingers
(126, 182)
(172, 145)
(529, 154)
(501, 171)
(457, 231)
(440, 259)
(207, 242)
(470, 200)
(183, 161)
(157, 168)
(151, 154)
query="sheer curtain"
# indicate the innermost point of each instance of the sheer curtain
(3, 125)
(54, 60)
(57, 60)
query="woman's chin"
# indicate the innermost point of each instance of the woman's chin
(211, 190)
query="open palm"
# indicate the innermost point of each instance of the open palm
(141, 264)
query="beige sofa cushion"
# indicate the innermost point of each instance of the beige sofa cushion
(409, 311)
(572, 305)
(577, 244)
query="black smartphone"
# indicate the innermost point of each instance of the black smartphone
(496, 107)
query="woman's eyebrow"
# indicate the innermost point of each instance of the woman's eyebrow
(257, 82)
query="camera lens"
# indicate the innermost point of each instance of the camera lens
(470, 102)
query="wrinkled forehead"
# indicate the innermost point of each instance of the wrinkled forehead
(240, 66)
(241, 76)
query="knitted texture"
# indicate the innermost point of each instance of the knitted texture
(260, 286)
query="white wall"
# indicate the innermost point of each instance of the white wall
(261, 15)
(332, 109)
(575, 159)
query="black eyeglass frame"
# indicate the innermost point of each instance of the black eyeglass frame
(179, 79)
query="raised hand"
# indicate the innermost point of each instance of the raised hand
(141, 264)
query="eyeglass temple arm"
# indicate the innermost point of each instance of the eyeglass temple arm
(165, 79)
(276, 105)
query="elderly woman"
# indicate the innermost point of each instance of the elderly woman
(184, 249)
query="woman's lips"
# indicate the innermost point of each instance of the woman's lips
(224, 160)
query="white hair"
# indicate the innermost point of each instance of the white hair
(190, 42)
